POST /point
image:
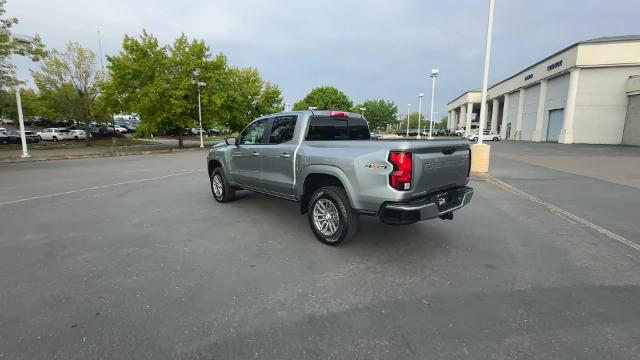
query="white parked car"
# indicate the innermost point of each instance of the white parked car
(3, 130)
(78, 134)
(118, 128)
(196, 131)
(486, 136)
(55, 134)
(459, 132)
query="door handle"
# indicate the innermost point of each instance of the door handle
(285, 155)
(256, 153)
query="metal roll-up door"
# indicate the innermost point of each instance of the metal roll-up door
(530, 111)
(631, 134)
(556, 120)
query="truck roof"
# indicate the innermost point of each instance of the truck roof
(317, 112)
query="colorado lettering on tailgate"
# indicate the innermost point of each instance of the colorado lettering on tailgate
(440, 163)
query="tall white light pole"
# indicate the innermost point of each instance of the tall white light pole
(286, 107)
(419, 113)
(200, 84)
(408, 112)
(434, 75)
(23, 39)
(485, 76)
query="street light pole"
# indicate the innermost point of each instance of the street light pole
(408, 112)
(434, 75)
(23, 138)
(419, 113)
(485, 76)
(200, 117)
(25, 152)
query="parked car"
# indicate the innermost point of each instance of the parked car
(6, 122)
(326, 161)
(54, 134)
(101, 131)
(444, 132)
(13, 136)
(486, 136)
(117, 128)
(214, 132)
(3, 130)
(458, 132)
(78, 134)
(196, 131)
(375, 136)
(4, 139)
(39, 121)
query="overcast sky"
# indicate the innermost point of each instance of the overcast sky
(368, 49)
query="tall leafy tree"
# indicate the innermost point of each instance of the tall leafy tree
(10, 46)
(74, 68)
(379, 113)
(413, 122)
(325, 98)
(159, 83)
(248, 97)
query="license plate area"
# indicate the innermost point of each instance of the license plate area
(448, 199)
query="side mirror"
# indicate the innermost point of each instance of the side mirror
(230, 141)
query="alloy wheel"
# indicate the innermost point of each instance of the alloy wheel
(325, 217)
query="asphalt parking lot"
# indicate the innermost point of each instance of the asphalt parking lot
(131, 258)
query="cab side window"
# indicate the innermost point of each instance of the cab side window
(254, 133)
(282, 129)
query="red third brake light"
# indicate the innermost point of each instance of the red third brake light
(400, 178)
(338, 114)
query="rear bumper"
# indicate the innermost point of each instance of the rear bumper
(429, 207)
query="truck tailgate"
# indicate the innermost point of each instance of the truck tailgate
(439, 165)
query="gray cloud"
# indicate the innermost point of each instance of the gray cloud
(368, 49)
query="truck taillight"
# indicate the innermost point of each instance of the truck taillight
(400, 178)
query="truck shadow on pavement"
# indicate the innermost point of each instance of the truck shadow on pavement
(372, 235)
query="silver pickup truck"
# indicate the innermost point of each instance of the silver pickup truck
(326, 161)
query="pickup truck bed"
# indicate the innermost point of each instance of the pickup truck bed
(329, 156)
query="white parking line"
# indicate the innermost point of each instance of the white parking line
(98, 187)
(563, 212)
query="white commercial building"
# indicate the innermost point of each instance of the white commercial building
(588, 92)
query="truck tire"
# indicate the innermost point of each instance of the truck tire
(331, 217)
(220, 188)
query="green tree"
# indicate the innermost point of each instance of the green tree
(413, 122)
(159, 83)
(443, 123)
(10, 45)
(71, 73)
(325, 98)
(379, 113)
(248, 97)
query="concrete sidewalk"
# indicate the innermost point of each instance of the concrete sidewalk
(14, 155)
(596, 182)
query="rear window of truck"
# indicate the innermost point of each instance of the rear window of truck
(333, 128)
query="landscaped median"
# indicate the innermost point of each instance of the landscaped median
(98, 148)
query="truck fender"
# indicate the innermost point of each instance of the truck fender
(332, 171)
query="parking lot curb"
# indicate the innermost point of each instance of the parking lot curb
(99, 155)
